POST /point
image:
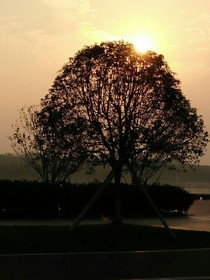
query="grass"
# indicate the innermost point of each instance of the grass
(89, 238)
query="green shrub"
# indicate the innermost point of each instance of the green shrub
(40, 200)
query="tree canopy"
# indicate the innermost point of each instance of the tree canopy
(131, 106)
(50, 156)
(131, 103)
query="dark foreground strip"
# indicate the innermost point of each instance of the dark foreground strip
(193, 264)
(178, 278)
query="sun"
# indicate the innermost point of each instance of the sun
(142, 44)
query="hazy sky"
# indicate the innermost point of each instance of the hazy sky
(38, 36)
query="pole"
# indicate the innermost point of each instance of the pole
(158, 212)
(93, 200)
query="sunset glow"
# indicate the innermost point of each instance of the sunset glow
(38, 37)
(142, 44)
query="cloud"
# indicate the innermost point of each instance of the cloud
(200, 18)
(46, 28)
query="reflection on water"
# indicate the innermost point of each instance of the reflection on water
(200, 208)
(197, 187)
(198, 218)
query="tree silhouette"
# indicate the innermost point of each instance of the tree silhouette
(49, 155)
(133, 111)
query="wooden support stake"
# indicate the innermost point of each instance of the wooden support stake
(93, 200)
(158, 212)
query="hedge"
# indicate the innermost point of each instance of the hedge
(23, 199)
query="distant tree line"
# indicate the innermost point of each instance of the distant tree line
(22, 199)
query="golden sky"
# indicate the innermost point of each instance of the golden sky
(38, 36)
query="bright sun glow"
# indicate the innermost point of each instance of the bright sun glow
(142, 44)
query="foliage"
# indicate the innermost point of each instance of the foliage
(47, 154)
(133, 111)
(24, 199)
(171, 199)
(132, 104)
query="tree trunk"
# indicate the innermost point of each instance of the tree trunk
(117, 219)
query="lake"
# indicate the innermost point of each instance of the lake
(197, 188)
(198, 218)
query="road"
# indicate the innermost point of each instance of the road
(178, 264)
(116, 265)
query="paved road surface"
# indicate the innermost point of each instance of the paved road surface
(116, 265)
(189, 264)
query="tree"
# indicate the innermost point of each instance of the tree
(133, 108)
(53, 158)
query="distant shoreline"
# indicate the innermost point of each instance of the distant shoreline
(14, 168)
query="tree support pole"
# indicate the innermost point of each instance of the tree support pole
(93, 200)
(158, 212)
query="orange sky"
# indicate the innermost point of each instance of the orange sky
(38, 36)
